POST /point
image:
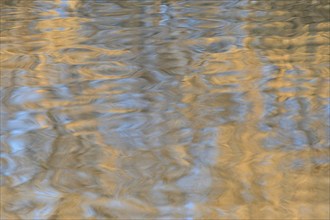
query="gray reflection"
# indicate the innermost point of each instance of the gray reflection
(164, 109)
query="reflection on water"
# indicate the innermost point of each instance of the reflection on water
(167, 109)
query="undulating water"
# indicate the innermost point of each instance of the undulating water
(165, 109)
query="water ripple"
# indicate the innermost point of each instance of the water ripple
(164, 109)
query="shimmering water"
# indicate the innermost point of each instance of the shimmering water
(165, 109)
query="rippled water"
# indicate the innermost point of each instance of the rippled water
(165, 109)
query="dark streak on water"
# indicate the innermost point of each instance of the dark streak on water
(165, 109)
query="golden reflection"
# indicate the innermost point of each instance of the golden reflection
(164, 109)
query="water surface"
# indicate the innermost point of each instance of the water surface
(165, 109)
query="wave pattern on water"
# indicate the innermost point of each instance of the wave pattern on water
(165, 109)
